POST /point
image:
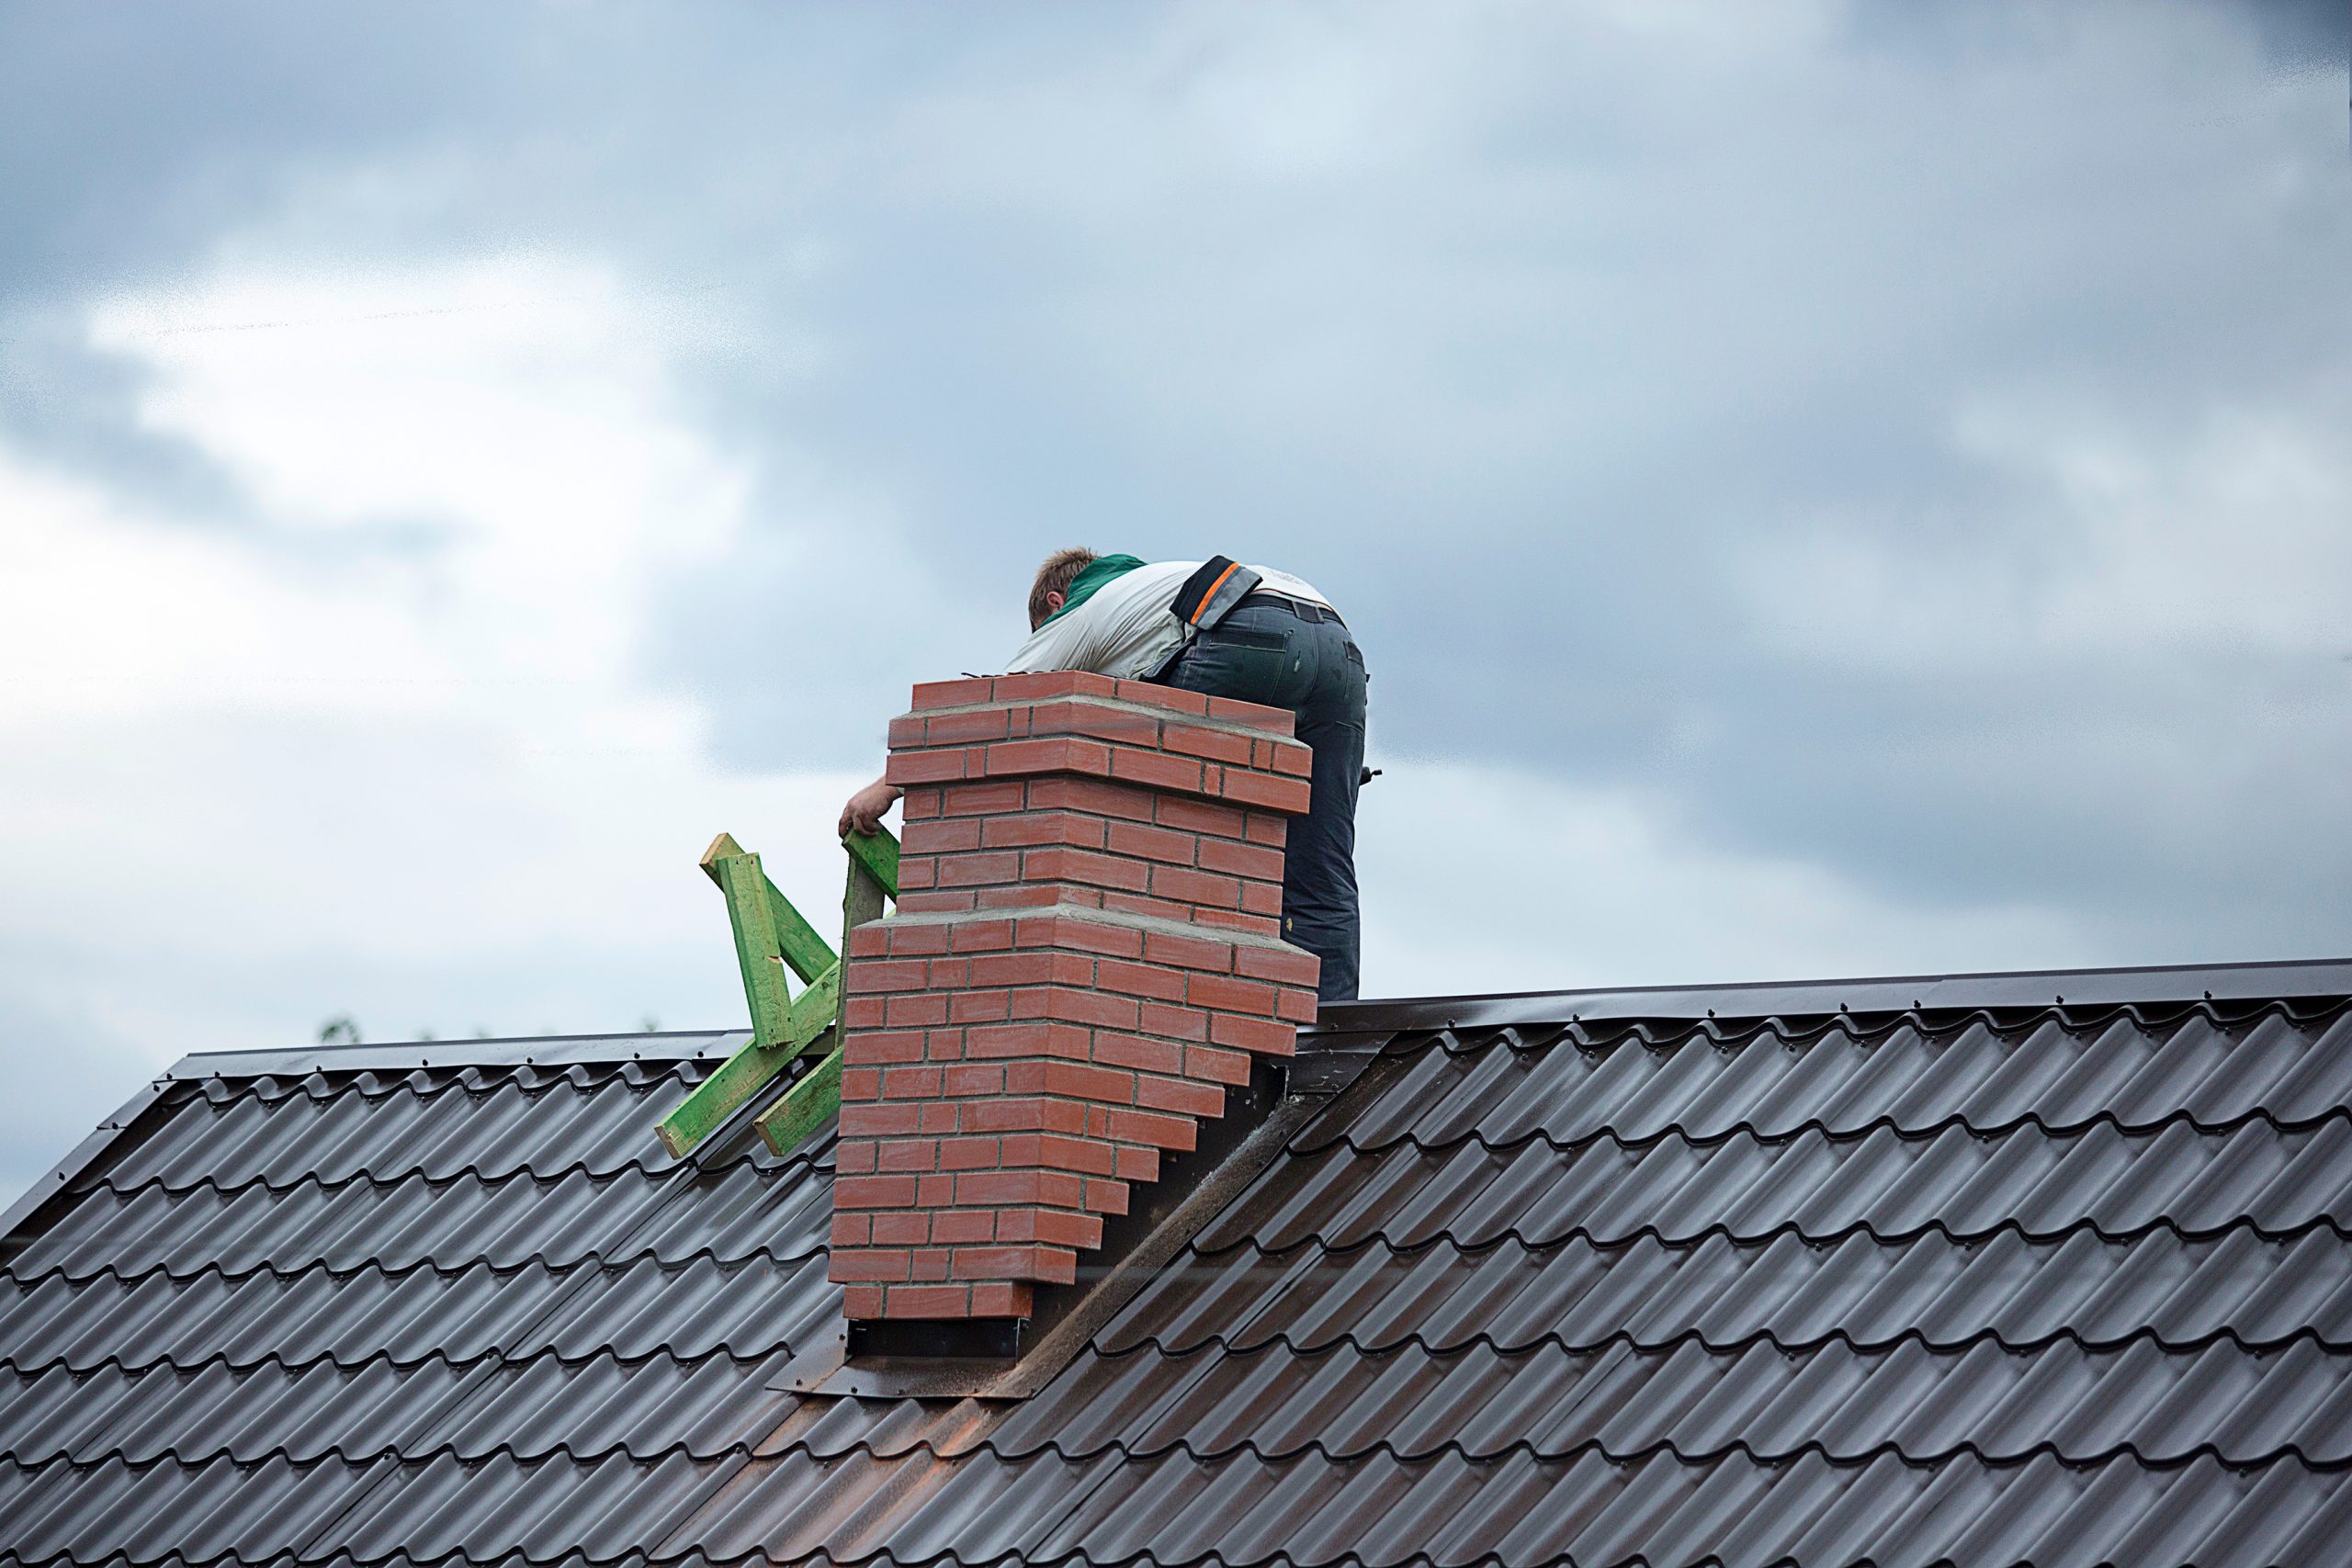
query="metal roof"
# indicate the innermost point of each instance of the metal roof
(1706, 1275)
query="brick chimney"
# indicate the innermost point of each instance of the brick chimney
(1085, 954)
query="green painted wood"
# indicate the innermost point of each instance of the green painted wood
(807, 1106)
(758, 949)
(797, 940)
(878, 853)
(720, 1096)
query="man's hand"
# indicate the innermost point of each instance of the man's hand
(863, 813)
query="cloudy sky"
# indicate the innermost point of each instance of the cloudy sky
(1824, 488)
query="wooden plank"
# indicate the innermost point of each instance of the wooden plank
(878, 852)
(758, 951)
(718, 1097)
(802, 948)
(805, 1029)
(807, 1106)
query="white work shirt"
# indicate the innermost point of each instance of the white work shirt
(1126, 627)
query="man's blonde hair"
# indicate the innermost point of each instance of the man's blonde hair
(1061, 569)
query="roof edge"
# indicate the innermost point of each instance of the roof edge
(537, 1050)
(1896, 993)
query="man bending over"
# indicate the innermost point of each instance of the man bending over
(1245, 632)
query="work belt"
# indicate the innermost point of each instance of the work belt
(1302, 609)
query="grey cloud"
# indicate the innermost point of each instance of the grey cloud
(1525, 338)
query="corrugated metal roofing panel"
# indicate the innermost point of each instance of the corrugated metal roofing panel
(2012, 1284)
(1891, 1185)
(1775, 1076)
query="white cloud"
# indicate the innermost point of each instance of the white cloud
(1487, 879)
(246, 782)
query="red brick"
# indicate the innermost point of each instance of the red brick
(1071, 1004)
(926, 902)
(1150, 1127)
(1057, 1227)
(1059, 863)
(1154, 770)
(998, 1298)
(901, 1228)
(1214, 817)
(981, 936)
(1267, 790)
(911, 1083)
(1229, 995)
(1055, 1265)
(862, 1302)
(868, 1265)
(1189, 886)
(854, 1157)
(918, 873)
(1096, 795)
(1262, 898)
(1200, 953)
(981, 799)
(961, 1227)
(967, 1154)
(1079, 1080)
(1176, 1023)
(1142, 842)
(1263, 1035)
(1284, 965)
(887, 974)
(1032, 968)
(963, 728)
(980, 868)
(1023, 897)
(929, 1300)
(1295, 1005)
(912, 940)
(908, 1154)
(978, 1007)
(1101, 721)
(1111, 1197)
(952, 693)
(1006, 1188)
(1137, 1165)
(874, 1191)
(934, 1192)
(850, 1230)
(1266, 828)
(1296, 760)
(930, 1263)
(972, 1082)
(1070, 1153)
(1139, 979)
(921, 1011)
(868, 1117)
(870, 941)
(1217, 745)
(1181, 1094)
(1216, 1064)
(1139, 1052)
(1239, 920)
(907, 769)
(862, 1012)
(1031, 1037)
(1257, 715)
(1174, 697)
(1254, 860)
(920, 804)
(1037, 685)
(1143, 904)
(1087, 936)
(1024, 829)
(1060, 754)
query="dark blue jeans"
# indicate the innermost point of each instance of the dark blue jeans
(1262, 652)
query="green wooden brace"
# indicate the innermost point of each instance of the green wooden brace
(770, 934)
(809, 1103)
